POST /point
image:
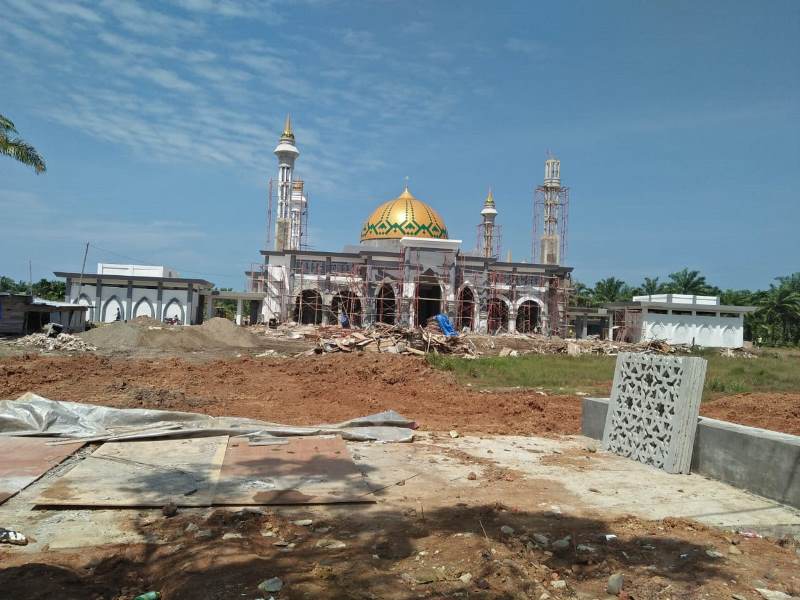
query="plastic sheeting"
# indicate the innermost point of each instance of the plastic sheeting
(33, 415)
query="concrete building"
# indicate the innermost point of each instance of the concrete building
(124, 292)
(678, 319)
(406, 269)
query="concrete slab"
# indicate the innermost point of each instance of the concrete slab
(525, 474)
(23, 460)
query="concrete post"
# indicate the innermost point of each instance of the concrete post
(189, 305)
(129, 302)
(68, 291)
(238, 311)
(160, 301)
(209, 306)
(98, 300)
(610, 335)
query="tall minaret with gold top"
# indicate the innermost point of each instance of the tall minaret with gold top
(287, 153)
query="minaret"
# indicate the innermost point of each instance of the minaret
(551, 242)
(287, 153)
(489, 213)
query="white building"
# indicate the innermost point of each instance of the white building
(679, 319)
(124, 292)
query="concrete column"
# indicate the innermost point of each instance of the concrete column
(189, 305)
(238, 311)
(610, 334)
(584, 327)
(209, 306)
(68, 291)
(98, 300)
(160, 302)
(129, 302)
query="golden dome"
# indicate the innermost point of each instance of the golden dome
(405, 216)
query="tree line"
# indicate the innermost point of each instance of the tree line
(775, 323)
(44, 288)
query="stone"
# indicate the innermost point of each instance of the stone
(303, 522)
(773, 594)
(454, 434)
(733, 550)
(586, 548)
(330, 544)
(232, 536)
(541, 539)
(615, 583)
(714, 553)
(483, 584)
(559, 584)
(170, 509)
(562, 545)
(191, 528)
(203, 534)
(472, 476)
(274, 584)
(465, 578)
(506, 530)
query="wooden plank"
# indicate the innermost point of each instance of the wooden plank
(142, 474)
(304, 470)
(23, 460)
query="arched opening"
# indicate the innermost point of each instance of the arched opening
(113, 310)
(386, 306)
(174, 311)
(466, 309)
(497, 315)
(143, 308)
(429, 302)
(528, 317)
(348, 303)
(308, 308)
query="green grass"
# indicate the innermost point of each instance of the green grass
(592, 374)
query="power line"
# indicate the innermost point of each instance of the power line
(140, 261)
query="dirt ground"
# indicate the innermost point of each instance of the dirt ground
(459, 552)
(776, 411)
(300, 391)
(333, 387)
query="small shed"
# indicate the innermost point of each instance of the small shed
(21, 314)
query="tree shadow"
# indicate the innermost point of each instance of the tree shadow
(386, 553)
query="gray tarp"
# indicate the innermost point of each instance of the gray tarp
(33, 415)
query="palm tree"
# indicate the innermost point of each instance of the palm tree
(780, 306)
(17, 148)
(611, 289)
(689, 282)
(651, 286)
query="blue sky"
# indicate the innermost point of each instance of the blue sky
(676, 123)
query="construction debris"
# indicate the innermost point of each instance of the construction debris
(63, 342)
(396, 339)
(392, 339)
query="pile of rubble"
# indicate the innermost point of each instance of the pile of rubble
(556, 345)
(392, 339)
(63, 342)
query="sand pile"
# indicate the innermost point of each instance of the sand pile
(145, 333)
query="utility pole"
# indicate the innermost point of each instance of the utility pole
(83, 269)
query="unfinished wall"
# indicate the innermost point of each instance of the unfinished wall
(715, 332)
(758, 460)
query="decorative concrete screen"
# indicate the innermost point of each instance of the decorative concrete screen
(653, 410)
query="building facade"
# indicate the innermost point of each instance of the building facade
(406, 269)
(679, 319)
(124, 292)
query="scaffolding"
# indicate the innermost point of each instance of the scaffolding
(299, 208)
(409, 288)
(489, 240)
